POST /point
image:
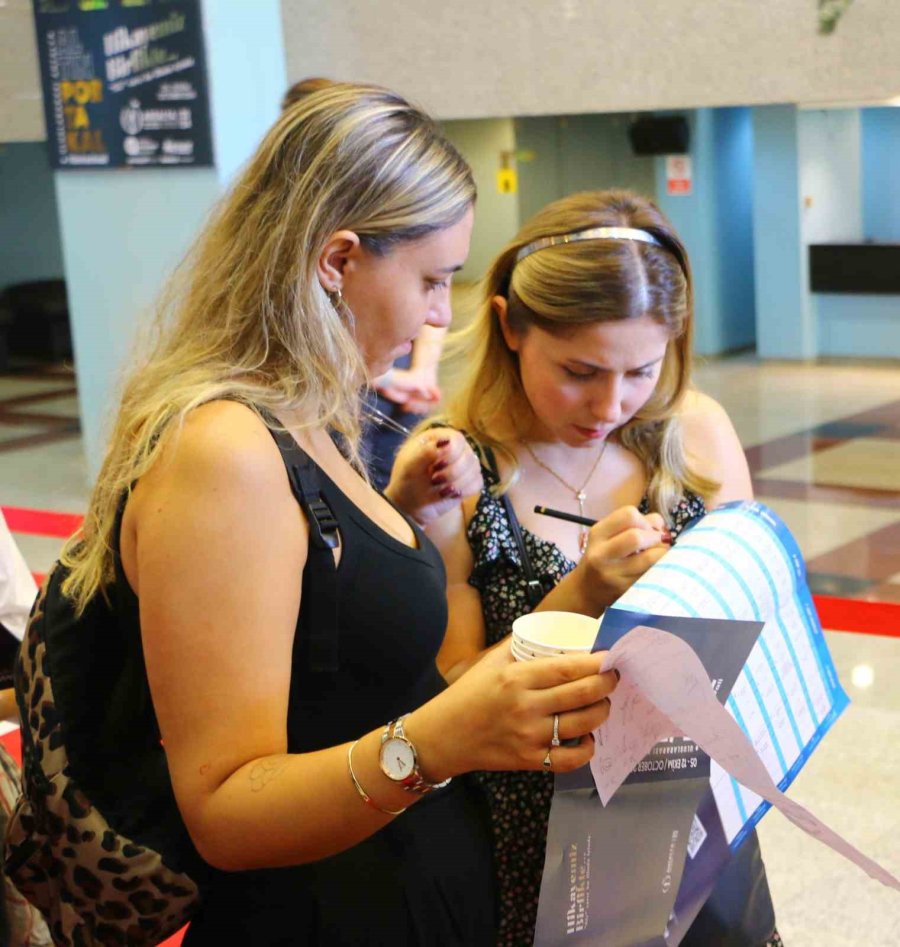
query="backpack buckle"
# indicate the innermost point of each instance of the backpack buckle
(325, 521)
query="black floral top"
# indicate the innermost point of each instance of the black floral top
(520, 801)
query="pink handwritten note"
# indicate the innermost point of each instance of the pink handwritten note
(665, 691)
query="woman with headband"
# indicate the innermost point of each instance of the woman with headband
(578, 393)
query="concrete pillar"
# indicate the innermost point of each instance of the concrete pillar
(785, 322)
(124, 230)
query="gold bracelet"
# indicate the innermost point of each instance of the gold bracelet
(363, 794)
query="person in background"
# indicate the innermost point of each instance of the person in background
(20, 924)
(17, 594)
(331, 803)
(409, 390)
(579, 398)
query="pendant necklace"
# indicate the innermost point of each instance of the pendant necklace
(579, 493)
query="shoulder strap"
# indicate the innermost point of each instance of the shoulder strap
(533, 588)
(323, 538)
(491, 472)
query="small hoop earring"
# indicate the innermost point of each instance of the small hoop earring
(335, 298)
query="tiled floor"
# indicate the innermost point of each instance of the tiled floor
(823, 444)
(824, 448)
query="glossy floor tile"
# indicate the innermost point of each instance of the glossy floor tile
(64, 406)
(861, 462)
(48, 476)
(852, 782)
(821, 527)
(769, 400)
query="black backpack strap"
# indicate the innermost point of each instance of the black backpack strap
(324, 536)
(534, 591)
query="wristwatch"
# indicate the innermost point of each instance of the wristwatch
(398, 760)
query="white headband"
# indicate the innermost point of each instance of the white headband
(594, 233)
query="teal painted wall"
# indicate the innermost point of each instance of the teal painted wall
(247, 76)
(122, 232)
(829, 154)
(715, 221)
(785, 327)
(540, 180)
(30, 246)
(694, 218)
(578, 153)
(482, 143)
(733, 143)
(881, 174)
(828, 142)
(858, 326)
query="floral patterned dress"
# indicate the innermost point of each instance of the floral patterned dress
(520, 801)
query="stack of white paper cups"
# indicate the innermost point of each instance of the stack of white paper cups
(550, 634)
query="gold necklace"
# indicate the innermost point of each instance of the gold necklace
(579, 493)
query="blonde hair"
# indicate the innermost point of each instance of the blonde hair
(245, 317)
(579, 283)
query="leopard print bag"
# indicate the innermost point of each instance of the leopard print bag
(94, 869)
(96, 841)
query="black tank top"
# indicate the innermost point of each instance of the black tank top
(424, 880)
(392, 616)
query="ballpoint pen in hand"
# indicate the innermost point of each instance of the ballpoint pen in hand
(582, 520)
(568, 517)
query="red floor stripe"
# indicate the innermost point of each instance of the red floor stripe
(41, 522)
(858, 616)
(12, 743)
(836, 614)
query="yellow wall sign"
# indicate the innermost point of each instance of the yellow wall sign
(507, 181)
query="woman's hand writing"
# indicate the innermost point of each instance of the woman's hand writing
(621, 548)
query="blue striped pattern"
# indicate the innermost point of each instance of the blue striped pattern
(740, 541)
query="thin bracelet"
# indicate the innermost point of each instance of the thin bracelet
(363, 794)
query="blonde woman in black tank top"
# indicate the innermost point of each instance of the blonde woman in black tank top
(320, 818)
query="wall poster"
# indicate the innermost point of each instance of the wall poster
(124, 83)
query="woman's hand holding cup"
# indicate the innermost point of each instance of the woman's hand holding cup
(500, 714)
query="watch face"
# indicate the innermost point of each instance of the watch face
(397, 759)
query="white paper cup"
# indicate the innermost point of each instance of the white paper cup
(549, 634)
(521, 655)
(532, 651)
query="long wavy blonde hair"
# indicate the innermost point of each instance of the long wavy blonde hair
(576, 284)
(245, 317)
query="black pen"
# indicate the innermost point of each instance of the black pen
(568, 517)
(584, 520)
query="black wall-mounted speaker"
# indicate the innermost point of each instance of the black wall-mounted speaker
(668, 135)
